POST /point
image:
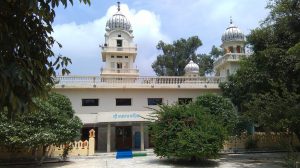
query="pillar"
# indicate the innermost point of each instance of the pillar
(142, 137)
(108, 138)
(91, 149)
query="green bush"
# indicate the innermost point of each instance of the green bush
(187, 131)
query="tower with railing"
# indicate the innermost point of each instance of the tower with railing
(119, 52)
(233, 45)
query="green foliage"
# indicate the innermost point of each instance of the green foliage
(27, 62)
(175, 56)
(206, 61)
(187, 131)
(266, 88)
(283, 109)
(220, 107)
(206, 64)
(45, 126)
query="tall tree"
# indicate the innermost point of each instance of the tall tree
(267, 86)
(27, 62)
(206, 64)
(175, 56)
(206, 61)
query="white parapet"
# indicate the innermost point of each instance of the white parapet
(137, 82)
(228, 57)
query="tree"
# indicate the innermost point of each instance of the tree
(266, 87)
(186, 131)
(53, 123)
(194, 130)
(206, 64)
(216, 52)
(27, 62)
(175, 56)
(206, 61)
(220, 107)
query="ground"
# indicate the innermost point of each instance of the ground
(257, 160)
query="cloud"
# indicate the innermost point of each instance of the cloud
(81, 41)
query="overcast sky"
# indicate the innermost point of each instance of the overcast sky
(80, 28)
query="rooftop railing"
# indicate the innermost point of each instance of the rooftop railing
(229, 57)
(118, 70)
(121, 49)
(166, 81)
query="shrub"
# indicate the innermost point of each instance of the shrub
(187, 131)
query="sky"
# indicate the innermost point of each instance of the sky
(80, 28)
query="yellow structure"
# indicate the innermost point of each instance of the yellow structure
(262, 140)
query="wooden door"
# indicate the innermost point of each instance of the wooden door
(123, 137)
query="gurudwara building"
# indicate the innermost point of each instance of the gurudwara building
(116, 103)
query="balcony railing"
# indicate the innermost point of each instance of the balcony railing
(117, 70)
(119, 49)
(229, 57)
(132, 82)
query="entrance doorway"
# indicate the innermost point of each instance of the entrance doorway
(123, 137)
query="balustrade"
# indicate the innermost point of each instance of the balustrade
(229, 57)
(97, 80)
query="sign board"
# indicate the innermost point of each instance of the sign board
(123, 116)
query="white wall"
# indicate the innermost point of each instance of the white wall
(107, 98)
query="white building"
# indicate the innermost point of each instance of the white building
(117, 103)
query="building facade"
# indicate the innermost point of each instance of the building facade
(118, 102)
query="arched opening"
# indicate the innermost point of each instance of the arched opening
(238, 49)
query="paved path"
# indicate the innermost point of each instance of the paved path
(260, 160)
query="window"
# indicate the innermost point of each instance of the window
(112, 56)
(119, 65)
(119, 43)
(119, 57)
(123, 102)
(126, 56)
(183, 101)
(119, 35)
(154, 101)
(90, 102)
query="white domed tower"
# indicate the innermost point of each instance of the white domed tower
(191, 69)
(119, 51)
(233, 44)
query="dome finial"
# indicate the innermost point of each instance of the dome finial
(118, 6)
(230, 19)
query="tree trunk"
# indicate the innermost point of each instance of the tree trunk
(43, 155)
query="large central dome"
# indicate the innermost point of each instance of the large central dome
(118, 22)
(233, 33)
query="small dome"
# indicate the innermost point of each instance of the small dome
(191, 67)
(118, 21)
(233, 33)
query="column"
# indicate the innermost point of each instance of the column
(91, 149)
(142, 137)
(108, 138)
